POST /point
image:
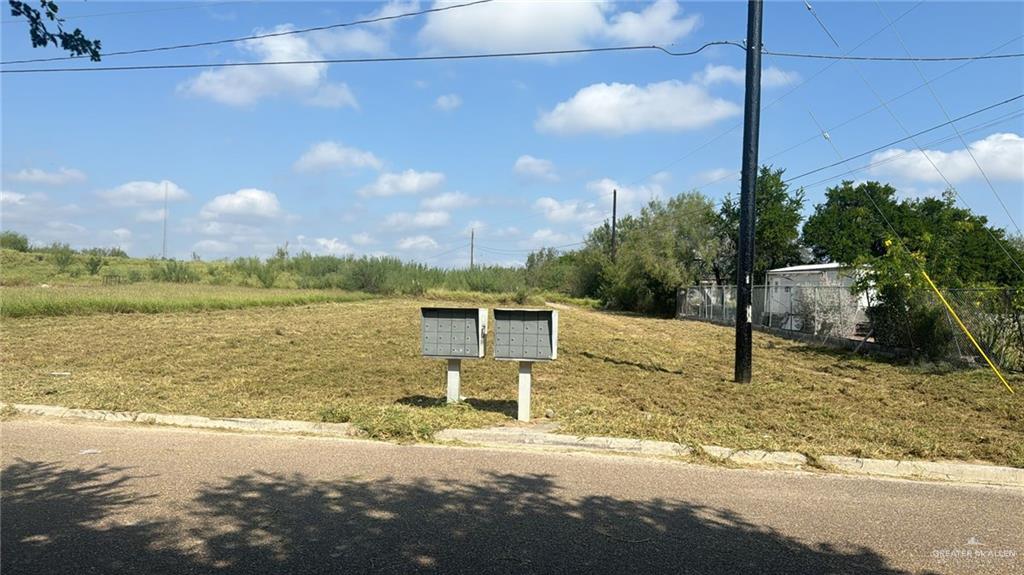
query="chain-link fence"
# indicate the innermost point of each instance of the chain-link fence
(994, 316)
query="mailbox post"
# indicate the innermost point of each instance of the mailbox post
(526, 336)
(453, 334)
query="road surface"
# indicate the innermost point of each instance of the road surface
(101, 498)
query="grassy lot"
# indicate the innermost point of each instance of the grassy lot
(153, 298)
(616, 375)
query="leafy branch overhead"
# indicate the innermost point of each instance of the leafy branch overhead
(74, 42)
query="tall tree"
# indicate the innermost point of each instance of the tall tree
(777, 213)
(74, 42)
(846, 226)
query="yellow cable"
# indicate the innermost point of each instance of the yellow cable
(964, 327)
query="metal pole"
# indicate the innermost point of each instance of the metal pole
(472, 242)
(615, 205)
(525, 379)
(454, 373)
(163, 250)
(745, 263)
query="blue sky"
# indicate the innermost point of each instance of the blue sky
(405, 158)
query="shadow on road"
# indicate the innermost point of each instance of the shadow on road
(78, 520)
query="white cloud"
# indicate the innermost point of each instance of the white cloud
(58, 178)
(545, 238)
(245, 203)
(12, 198)
(511, 26)
(630, 197)
(333, 155)
(150, 215)
(568, 211)
(408, 182)
(656, 24)
(372, 39)
(771, 77)
(212, 246)
(1000, 154)
(448, 102)
(332, 246)
(428, 219)
(449, 201)
(618, 109)
(333, 95)
(417, 243)
(242, 86)
(536, 168)
(362, 239)
(714, 176)
(143, 192)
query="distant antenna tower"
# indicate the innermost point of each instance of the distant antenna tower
(163, 251)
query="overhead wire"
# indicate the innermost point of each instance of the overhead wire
(938, 101)
(903, 127)
(860, 115)
(252, 37)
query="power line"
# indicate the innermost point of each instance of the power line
(375, 60)
(260, 36)
(910, 136)
(651, 47)
(904, 153)
(788, 92)
(905, 138)
(856, 117)
(893, 58)
(938, 101)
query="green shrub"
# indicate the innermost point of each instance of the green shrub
(173, 271)
(13, 241)
(93, 263)
(63, 256)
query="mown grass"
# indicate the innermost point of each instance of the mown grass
(154, 298)
(617, 375)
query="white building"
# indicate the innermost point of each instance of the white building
(816, 299)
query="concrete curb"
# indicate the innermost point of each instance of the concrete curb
(194, 421)
(542, 439)
(931, 470)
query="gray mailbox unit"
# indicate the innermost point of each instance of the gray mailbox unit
(526, 336)
(453, 334)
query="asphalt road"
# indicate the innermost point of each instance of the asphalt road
(93, 498)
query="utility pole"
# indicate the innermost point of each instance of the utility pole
(615, 203)
(472, 241)
(163, 251)
(748, 184)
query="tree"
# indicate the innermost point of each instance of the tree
(74, 42)
(955, 246)
(13, 241)
(663, 249)
(777, 214)
(846, 226)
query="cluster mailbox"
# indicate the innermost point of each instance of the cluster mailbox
(523, 335)
(453, 334)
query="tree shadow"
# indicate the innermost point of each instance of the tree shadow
(59, 520)
(505, 407)
(265, 522)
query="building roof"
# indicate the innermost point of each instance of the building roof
(808, 268)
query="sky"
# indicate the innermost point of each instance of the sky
(405, 158)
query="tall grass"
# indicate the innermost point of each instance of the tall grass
(153, 298)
